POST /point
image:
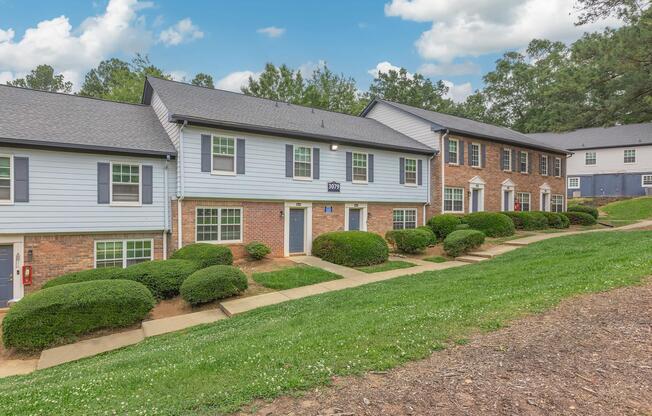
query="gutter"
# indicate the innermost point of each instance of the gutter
(181, 188)
(442, 140)
(84, 148)
(429, 202)
(166, 201)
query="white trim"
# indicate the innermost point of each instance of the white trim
(363, 215)
(574, 186)
(9, 201)
(140, 185)
(624, 156)
(219, 224)
(18, 243)
(235, 155)
(554, 168)
(527, 161)
(544, 190)
(529, 200)
(366, 181)
(457, 154)
(416, 172)
(124, 248)
(294, 164)
(563, 201)
(452, 204)
(416, 217)
(476, 183)
(307, 206)
(595, 158)
(643, 184)
(502, 155)
(547, 159)
(479, 165)
(507, 186)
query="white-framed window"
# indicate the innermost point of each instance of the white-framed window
(524, 198)
(453, 151)
(6, 178)
(125, 183)
(360, 167)
(507, 160)
(557, 167)
(122, 253)
(574, 182)
(557, 203)
(218, 225)
(410, 171)
(646, 181)
(302, 162)
(223, 155)
(543, 167)
(523, 162)
(404, 218)
(474, 157)
(453, 199)
(629, 156)
(590, 158)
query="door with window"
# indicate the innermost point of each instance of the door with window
(6, 274)
(297, 230)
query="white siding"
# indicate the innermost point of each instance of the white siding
(610, 161)
(172, 129)
(63, 196)
(265, 173)
(405, 123)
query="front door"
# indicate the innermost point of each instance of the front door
(507, 198)
(297, 230)
(354, 219)
(6, 274)
(475, 200)
(544, 202)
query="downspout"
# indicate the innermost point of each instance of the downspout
(442, 140)
(182, 187)
(429, 187)
(166, 202)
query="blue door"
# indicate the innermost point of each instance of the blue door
(297, 230)
(6, 274)
(506, 204)
(354, 219)
(475, 200)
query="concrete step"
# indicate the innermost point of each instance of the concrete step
(471, 259)
(516, 243)
(179, 322)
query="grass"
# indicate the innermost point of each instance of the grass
(297, 345)
(436, 259)
(294, 276)
(628, 210)
(388, 265)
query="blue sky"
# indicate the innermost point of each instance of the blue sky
(456, 41)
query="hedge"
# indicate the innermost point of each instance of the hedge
(580, 218)
(105, 273)
(62, 313)
(461, 241)
(526, 220)
(556, 220)
(492, 224)
(443, 224)
(583, 208)
(410, 241)
(162, 277)
(351, 248)
(257, 250)
(212, 283)
(432, 236)
(205, 254)
(462, 227)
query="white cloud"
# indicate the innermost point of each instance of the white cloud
(235, 80)
(272, 31)
(477, 27)
(449, 69)
(182, 32)
(179, 75)
(384, 67)
(309, 67)
(6, 76)
(458, 93)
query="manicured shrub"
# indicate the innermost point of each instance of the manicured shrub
(162, 277)
(433, 238)
(205, 254)
(62, 313)
(492, 224)
(556, 220)
(212, 283)
(461, 241)
(584, 208)
(257, 250)
(351, 248)
(564, 219)
(526, 220)
(105, 273)
(462, 227)
(409, 241)
(443, 224)
(580, 218)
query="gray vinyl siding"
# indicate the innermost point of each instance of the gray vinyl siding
(265, 176)
(63, 196)
(610, 184)
(405, 123)
(172, 129)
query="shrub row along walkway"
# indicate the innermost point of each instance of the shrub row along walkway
(350, 278)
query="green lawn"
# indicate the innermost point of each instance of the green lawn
(388, 265)
(295, 276)
(628, 210)
(436, 259)
(300, 344)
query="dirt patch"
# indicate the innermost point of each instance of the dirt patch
(590, 356)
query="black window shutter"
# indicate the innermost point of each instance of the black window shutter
(447, 156)
(483, 152)
(289, 161)
(206, 152)
(370, 167)
(461, 152)
(103, 183)
(563, 167)
(515, 162)
(21, 179)
(503, 159)
(401, 170)
(529, 162)
(420, 172)
(240, 162)
(470, 152)
(315, 163)
(349, 166)
(148, 188)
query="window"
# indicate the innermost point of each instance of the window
(589, 158)
(454, 199)
(122, 253)
(630, 156)
(405, 218)
(507, 159)
(557, 203)
(523, 162)
(543, 167)
(574, 182)
(5, 178)
(359, 167)
(453, 151)
(219, 224)
(302, 162)
(223, 155)
(410, 171)
(475, 155)
(524, 199)
(646, 180)
(125, 183)
(557, 167)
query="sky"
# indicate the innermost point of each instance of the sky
(456, 41)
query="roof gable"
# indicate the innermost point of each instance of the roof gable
(600, 137)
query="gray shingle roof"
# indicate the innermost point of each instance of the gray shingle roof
(39, 118)
(229, 109)
(597, 137)
(474, 128)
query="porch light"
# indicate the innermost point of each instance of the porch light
(334, 147)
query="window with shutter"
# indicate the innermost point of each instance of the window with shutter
(6, 174)
(125, 184)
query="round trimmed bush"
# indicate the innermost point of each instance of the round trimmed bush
(492, 224)
(433, 238)
(443, 224)
(410, 241)
(526, 220)
(205, 254)
(162, 277)
(461, 241)
(462, 227)
(556, 220)
(351, 248)
(212, 283)
(62, 313)
(105, 273)
(585, 209)
(257, 250)
(580, 218)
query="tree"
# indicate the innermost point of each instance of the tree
(281, 84)
(43, 78)
(203, 80)
(594, 10)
